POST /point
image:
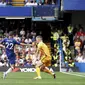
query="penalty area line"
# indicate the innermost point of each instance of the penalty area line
(73, 74)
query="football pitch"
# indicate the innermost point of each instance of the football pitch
(20, 78)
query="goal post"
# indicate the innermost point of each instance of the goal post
(61, 56)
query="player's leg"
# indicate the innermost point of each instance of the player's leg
(38, 73)
(10, 69)
(12, 66)
(38, 64)
(45, 68)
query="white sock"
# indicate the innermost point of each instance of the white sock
(8, 71)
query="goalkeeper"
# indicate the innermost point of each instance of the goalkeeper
(45, 58)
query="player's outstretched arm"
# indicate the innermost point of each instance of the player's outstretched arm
(23, 44)
(2, 46)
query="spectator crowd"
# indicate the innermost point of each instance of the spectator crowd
(27, 2)
(71, 40)
(23, 35)
(23, 54)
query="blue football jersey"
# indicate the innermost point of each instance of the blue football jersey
(9, 45)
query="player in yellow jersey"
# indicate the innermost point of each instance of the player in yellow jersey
(44, 58)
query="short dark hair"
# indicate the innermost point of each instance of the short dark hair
(11, 33)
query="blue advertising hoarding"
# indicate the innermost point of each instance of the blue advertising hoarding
(15, 11)
(74, 4)
(44, 10)
(29, 11)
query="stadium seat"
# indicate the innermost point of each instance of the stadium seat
(18, 2)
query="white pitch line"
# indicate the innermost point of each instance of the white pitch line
(81, 73)
(73, 74)
(42, 83)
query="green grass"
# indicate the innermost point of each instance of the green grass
(20, 78)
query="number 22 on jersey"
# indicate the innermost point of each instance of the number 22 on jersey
(9, 45)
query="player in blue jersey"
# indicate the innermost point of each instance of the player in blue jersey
(8, 44)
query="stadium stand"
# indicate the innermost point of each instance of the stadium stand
(18, 2)
(61, 24)
(66, 34)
